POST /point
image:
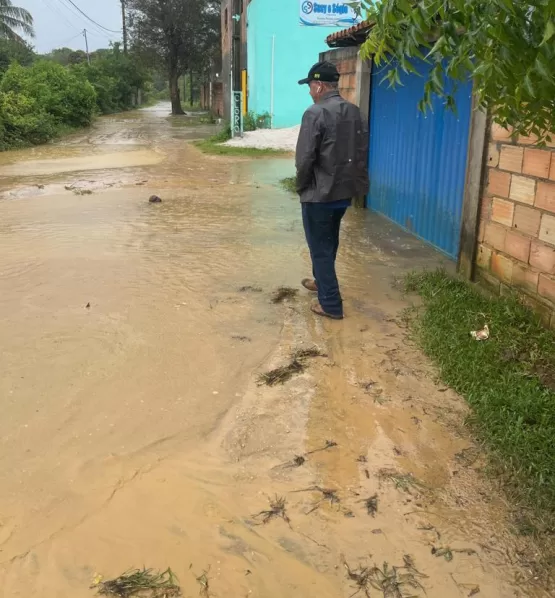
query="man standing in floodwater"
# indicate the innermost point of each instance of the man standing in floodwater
(332, 169)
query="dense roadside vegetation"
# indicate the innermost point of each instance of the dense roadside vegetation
(508, 380)
(42, 97)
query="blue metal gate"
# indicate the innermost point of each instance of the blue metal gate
(417, 162)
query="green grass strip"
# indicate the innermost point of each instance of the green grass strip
(214, 145)
(508, 380)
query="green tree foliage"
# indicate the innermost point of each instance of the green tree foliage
(14, 51)
(174, 35)
(39, 101)
(507, 46)
(115, 76)
(14, 20)
(62, 93)
(67, 56)
(23, 121)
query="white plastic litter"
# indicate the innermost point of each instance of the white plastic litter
(280, 139)
(480, 335)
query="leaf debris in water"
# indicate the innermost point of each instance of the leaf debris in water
(297, 365)
(402, 481)
(145, 582)
(299, 460)
(371, 505)
(276, 510)
(283, 293)
(306, 353)
(204, 583)
(392, 582)
(282, 374)
(328, 494)
(329, 444)
(447, 552)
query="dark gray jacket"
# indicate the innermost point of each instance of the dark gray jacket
(332, 152)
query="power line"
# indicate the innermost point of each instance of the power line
(55, 9)
(58, 10)
(103, 36)
(92, 29)
(92, 20)
(71, 39)
(62, 44)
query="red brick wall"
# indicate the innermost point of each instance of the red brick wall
(218, 99)
(345, 59)
(226, 28)
(347, 83)
(517, 221)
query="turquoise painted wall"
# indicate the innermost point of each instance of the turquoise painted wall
(297, 48)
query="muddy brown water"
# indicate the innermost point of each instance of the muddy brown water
(133, 431)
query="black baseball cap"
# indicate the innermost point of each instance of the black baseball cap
(322, 71)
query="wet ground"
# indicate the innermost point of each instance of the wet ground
(134, 431)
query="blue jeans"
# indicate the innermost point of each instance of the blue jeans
(321, 226)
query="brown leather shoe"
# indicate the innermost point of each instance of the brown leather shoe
(310, 285)
(319, 311)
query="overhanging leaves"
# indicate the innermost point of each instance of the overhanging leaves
(506, 46)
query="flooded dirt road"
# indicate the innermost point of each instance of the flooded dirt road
(133, 429)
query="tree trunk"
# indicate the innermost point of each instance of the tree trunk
(191, 90)
(174, 91)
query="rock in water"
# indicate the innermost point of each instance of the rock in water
(155, 199)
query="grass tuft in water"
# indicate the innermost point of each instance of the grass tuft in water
(289, 184)
(282, 374)
(402, 481)
(306, 353)
(390, 581)
(371, 505)
(327, 495)
(204, 583)
(283, 294)
(297, 365)
(299, 460)
(277, 510)
(141, 582)
(508, 380)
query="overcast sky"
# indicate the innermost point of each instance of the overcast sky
(59, 24)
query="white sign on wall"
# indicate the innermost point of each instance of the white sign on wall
(328, 13)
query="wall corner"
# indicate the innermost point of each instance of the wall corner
(475, 167)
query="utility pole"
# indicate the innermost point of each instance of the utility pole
(124, 26)
(87, 45)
